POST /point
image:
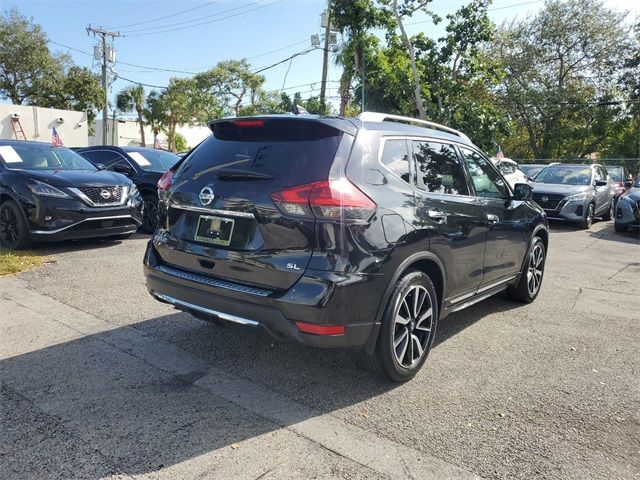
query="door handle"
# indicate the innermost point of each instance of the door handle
(437, 215)
(493, 219)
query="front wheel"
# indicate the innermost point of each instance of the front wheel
(13, 228)
(149, 213)
(528, 287)
(588, 216)
(408, 328)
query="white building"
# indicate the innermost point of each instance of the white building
(127, 133)
(37, 124)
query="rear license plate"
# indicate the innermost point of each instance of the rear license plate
(214, 230)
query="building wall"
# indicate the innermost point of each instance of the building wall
(38, 123)
(127, 133)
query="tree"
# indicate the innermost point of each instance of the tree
(559, 66)
(24, 57)
(132, 99)
(233, 84)
(181, 143)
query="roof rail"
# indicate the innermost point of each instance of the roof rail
(381, 117)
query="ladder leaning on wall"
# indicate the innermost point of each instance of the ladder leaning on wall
(17, 129)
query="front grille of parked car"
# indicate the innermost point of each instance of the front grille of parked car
(552, 200)
(103, 195)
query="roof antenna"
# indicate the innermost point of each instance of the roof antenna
(300, 110)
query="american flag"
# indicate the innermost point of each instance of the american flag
(156, 143)
(56, 141)
(499, 155)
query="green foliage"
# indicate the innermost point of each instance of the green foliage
(132, 99)
(559, 65)
(181, 143)
(30, 74)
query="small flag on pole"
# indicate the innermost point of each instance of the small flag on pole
(500, 154)
(56, 141)
(156, 143)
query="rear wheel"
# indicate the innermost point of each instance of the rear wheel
(408, 328)
(610, 213)
(588, 216)
(13, 228)
(528, 287)
(149, 213)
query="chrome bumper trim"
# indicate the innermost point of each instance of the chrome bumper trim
(212, 211)
(95, 219)
(209, 311)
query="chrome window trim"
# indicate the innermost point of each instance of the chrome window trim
(212, 211)
(92, 219)
(125, 195)
(209, 311)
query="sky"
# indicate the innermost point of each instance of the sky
(190, 36)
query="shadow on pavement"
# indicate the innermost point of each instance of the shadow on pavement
(143, 418)
(52, 248)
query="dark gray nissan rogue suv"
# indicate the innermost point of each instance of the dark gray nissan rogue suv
(343, 232)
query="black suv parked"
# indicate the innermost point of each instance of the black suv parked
(343, 232)
(144, 166)
(52, 193)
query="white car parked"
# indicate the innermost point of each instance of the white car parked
(510, 170)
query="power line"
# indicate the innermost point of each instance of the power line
(217, 14)
(141, 83)
(488, 10)
(303, 52)
(166, 16)
(204, 23)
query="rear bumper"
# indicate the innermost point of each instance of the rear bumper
(322, 298)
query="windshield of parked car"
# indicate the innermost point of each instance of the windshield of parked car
(565, 175)
(41, 156)
(616, 173)
(153, 160)
(531, 170)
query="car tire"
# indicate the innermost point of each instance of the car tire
(588, 216)
(407, 329)
(149, 213)
(530, 281)
(14, 234)
(620, 228)
(608, 216)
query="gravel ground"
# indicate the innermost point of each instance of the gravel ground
(547, 390)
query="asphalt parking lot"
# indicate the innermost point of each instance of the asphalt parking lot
(101, 381)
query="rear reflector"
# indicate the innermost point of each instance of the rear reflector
(330, 199)
(166, 180)
(316, 329)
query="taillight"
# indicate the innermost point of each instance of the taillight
(330, 199)
(166, 180)
(249, 123)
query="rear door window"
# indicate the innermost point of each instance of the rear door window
(438, 168)
(292, 152)
(395, 156)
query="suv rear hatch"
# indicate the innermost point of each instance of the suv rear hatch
(221, 219)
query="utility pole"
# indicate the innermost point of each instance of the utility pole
(108, 56)
(325, 56)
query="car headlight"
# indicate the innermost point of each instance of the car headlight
(133, 190)
(578, 197)
(46, 190)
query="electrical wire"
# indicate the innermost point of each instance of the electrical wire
(166, 16)
(203, 23)
(303, 52)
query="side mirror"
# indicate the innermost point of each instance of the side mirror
(122, 168)
(100, 166)
(522, 191)
(601, 183)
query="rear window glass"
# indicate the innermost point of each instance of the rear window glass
(292, 152)
(396, 158)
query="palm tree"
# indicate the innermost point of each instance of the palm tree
(130, 99)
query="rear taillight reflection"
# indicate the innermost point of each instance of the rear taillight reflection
(330, 199)
(166, 180)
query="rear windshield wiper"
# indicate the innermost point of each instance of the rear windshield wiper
(236, 173)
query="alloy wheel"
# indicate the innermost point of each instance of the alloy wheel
(535, 269)
(412, 326)
(9, 233)
(589, 218)
(149, 216)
